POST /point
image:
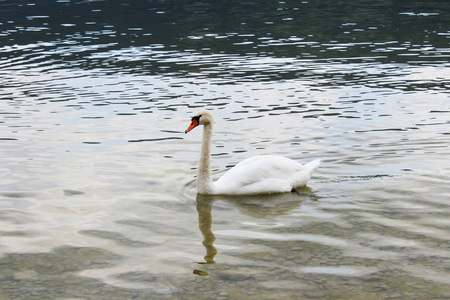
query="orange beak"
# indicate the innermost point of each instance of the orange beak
(194, 124)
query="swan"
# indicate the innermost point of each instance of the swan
(262, 174)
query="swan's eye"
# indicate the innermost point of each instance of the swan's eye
(197, 118)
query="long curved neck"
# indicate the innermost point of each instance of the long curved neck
(204, 181)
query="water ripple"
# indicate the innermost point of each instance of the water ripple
(324, 240)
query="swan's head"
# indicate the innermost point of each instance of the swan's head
(203, 117)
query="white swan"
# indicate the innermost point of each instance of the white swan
(264, 174)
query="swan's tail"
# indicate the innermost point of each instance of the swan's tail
(303, 175)
(311, 166)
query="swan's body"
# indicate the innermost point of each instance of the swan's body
(264, 174)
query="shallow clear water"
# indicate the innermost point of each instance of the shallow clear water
(97, 176)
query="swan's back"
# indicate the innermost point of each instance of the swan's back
(265, 174)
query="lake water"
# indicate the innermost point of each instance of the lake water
(97, 190)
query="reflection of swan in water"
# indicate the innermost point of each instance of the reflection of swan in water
(204, 208)
(267, 206)
(270, 205)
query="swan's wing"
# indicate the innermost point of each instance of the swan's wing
(259, 170)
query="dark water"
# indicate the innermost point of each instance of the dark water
(97, 199)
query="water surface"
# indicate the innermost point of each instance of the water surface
(97, 176)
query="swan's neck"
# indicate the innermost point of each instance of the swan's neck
(204, 181)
